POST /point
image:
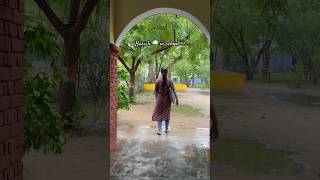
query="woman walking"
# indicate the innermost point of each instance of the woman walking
(162, 109)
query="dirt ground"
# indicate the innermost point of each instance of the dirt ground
(255, 115)
(83, 158)
(259, 116)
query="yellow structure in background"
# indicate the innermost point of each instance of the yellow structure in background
(223, 82)
(228, 82)
(179, 87)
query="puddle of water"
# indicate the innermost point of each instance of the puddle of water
(298, 98)
(252, 158)
(203, 92)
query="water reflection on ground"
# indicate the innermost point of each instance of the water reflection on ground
(180, 154)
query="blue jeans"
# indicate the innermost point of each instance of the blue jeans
(160, 125)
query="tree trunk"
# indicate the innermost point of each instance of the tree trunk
(157, 67)
(71, 34)
(132, 84)
(187, 82)
(249, 73)
(226, 58)
(266, 65)
(68, 89)
(151, 74)
(215, 58)
(192, 80)
(249, 70)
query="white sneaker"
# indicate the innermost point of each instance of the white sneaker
(158, 132)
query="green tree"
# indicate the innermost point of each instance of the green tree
(300, 36)
(70, 32)
(43, 127)
(164, 27)
(250, 25)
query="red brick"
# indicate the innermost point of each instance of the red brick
(18, 86)
(5, 73)
(5, 162)
(20, 58)
(4, 132)
(16, 142)
(20, 32)
(10, 88)
(18, 17)
(3, 89)
(17, 45)
(16, 129)
(20, 177)
(12, 4)
(12, 60)
(16, 155)
(5, 13)
(6, 28)
(11, 116)
(2, 149)
(2, 28)
(17, 169)
(4, 103)
(21, 5)
(4, 43)
(15, 101)
(16, 73)
(19, 114)
(8, 173)
(3, 59)
(13, 30)
(2, 120)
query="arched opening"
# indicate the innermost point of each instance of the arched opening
(175, 11)
(188, 139)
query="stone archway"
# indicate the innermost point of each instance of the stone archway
(114, 51)
(122, 12)
(155, 11)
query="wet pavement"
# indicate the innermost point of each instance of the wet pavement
(142, 154)
(298, 98)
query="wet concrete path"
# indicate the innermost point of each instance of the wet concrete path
(146, 155)
(183, 153)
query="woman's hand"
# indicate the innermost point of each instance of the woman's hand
(177, 103)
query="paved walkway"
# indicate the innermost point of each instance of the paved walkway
(183, 153)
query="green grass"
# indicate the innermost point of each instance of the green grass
(148, 96)
(252, 158)
(187, 110)
(144, 97)
(203, 86)
(275, 77)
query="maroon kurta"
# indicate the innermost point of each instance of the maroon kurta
(163, 105)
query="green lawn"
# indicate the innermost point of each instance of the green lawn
(144, 97)
(187, 110)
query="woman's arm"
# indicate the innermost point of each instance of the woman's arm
(175, 94)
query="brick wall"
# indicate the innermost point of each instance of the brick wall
(11, 56)
(114, 51)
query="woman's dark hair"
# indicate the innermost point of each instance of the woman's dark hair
(164, 72)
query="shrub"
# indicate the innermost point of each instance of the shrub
(43, 126)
